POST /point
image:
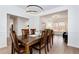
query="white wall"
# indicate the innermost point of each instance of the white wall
(18, 24)
(34, 22)
(73, 26)
(9, 22)
(3, 21)
(3, 29)
(21, 24)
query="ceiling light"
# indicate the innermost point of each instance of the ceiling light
(34, 9)
(56, 16)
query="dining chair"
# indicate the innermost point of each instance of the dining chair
(32, 31)
(42, 43)
(49, 39)
(16, 47)
(52, 33)
(25, 33)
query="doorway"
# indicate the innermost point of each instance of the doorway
(57, 21)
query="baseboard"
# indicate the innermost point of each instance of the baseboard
(3, 45)
(73, 45)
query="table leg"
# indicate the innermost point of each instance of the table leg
(27, 51)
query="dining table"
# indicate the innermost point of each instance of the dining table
(31, 39)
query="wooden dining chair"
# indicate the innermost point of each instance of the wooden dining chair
(49, 39)
(32, 31)
(52, 33)
(16, 47)
(25, 33)
(42, 43)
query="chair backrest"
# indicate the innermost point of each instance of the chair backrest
(52, 32)
(25, 33)
(14, 40)
(49, 35)
(43, 37)
(32, 31)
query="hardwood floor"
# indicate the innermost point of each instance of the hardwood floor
(59, 47)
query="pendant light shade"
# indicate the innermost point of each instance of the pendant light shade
(34, 9)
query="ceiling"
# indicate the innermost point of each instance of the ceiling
(56, 17)
(45, 7)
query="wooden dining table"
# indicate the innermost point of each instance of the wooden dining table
(29, 42)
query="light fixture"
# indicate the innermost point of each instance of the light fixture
(34, 9)
(56, 16)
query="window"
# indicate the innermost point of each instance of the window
(59, 26)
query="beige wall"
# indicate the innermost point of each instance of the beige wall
(58, 17)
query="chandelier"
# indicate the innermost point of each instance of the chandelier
(34, 9)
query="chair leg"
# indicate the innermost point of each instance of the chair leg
(39, 51)
(47, 44)
(47, 47)
(45, 50)
(50, 43)
(31, 50)
(52, 39)
(12, 49)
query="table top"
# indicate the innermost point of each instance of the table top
(30, 40)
